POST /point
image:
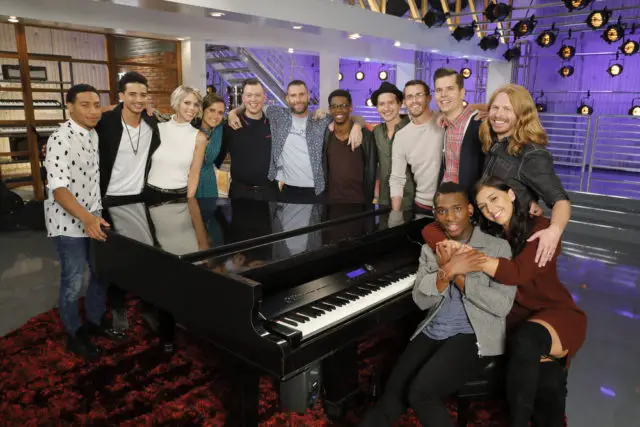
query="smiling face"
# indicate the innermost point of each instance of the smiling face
(298, 99)
(340, 109)
(213, 114)
(416, 99)
(135, 97)
(188, 109)
(253, 98)
(453, 212)
(86, 109)
(388, 106)
(496, 205)
(448, 95)
(502, 116)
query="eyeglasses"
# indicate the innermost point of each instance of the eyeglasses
(416, 96)
(339, 106)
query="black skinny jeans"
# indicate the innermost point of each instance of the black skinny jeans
(427, 372)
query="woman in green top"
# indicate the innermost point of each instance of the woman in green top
(213, 109)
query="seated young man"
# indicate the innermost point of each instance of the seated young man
(350, 174)
(464, 323)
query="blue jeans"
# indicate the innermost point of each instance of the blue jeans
(74, 256)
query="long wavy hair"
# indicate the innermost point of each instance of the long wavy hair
(520, 225)
(527, 128)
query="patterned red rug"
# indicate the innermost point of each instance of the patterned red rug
(132, 384)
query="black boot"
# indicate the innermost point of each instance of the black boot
(81, 345)
(104, 330)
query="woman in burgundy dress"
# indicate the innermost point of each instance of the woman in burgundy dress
(545, 327)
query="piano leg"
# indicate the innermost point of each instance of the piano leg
(244, 397)
(166, 331)
(340, 380)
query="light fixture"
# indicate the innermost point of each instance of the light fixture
(497, 12)
(465, 72)
(613, 33)
(181, 39)
(576, 4)
(290, 50)
(13, 20)
(297, 27)
(566, 52)
(465, 32)
(524, 27)
(615, 70)
(367, 59)
(355, 36)
(586, 105)
(435, 17)
(397, 44)
(490, 42)
(566, 71)
(629, 48)
(512, 54)
(359, 74)
(216, 14)
(598, 18)
(464, 102)
(541, 103)
(340, 77)
(635, 107)
(369, 102)
(383, 74)
(547, 38)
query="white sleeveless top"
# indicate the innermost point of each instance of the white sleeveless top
(171, 162)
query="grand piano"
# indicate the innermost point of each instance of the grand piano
(283, 289)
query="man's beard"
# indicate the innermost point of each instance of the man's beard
(293, 110)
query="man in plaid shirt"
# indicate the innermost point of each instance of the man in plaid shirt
(463, 159)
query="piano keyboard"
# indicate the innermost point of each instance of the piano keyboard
(327, 312)
(9, 104)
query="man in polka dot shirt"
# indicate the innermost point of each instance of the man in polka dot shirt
(73, 215)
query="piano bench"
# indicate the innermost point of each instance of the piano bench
(488, 384)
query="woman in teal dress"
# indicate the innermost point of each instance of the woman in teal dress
(212, 115)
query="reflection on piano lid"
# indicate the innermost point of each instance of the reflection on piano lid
(13, 104)
(22, 130)
(200, 229)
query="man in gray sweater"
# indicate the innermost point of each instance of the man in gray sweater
(465, 319)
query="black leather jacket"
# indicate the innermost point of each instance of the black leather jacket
(370, 154)
(530, 174)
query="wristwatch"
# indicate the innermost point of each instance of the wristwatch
(442, 275)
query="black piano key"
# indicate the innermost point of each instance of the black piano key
(310, 312)
(339, 302)
(372, 288)
(347, 296)
(287, 321)
(364, 289)
(297, 317)
(374, 285)
(325, 306)
(357, 292)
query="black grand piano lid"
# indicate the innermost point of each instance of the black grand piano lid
(200, 229)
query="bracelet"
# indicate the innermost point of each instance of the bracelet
(442, 275)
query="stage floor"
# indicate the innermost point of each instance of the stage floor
(602, 275)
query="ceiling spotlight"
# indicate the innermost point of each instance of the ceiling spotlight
(512, 54)
(297, 27)
(567, 52)
(383, 75)
(340, 77)
(635, 108)
(497, 12)
(355, 36)
(585, 109)
(464, 32)
(525, 27)
(216, 14)
(435, 18)
(615, 69)
(598, 18)
(576, 4)
(359, 75)
(489, 42)
(541, 103)
(464, 102)
(397, 44)
(465, 72)
(629, 48)
(613, 33)
(566, 71)
(13, 19)
(547, 38)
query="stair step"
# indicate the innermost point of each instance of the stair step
(223, 59)
(233, 70)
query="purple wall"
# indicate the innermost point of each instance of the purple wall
(361, 90)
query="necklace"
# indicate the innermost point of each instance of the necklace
(135, 149)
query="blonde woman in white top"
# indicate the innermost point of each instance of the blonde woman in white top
(176, 164)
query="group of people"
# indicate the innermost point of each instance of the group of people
(483, 285)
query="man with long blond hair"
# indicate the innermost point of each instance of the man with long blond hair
(515, 145)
